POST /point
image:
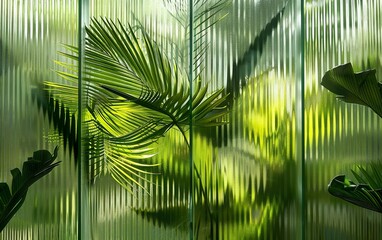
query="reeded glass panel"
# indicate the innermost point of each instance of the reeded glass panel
(138, 144)
(31, 34)
(249, 167)
(339, 136)
(199, 119)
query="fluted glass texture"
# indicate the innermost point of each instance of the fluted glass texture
(156, 204)
(199, 119)
(31, 34)
(249, 167)
(339, 136)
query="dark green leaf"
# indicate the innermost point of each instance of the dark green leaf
(33, 169)
(245, 64)
(170, 216)
(359, 194)
(16, 179)
(360, 88)
(5, 195)
(65, 124)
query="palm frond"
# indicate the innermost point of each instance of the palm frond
(205, 15)
(133, 97)
(371, 176)
(238, 80)
(162, 89)
(62, 117)
(251, 56)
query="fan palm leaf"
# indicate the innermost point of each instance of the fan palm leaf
(134, 95)
(205, 15)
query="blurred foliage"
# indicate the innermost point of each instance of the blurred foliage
(37, 166)
(133, 97)
(364, 89)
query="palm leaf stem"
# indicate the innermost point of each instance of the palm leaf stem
(175, 122)
(149, 106)
(208, 205)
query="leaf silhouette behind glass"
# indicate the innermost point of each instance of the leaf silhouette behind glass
(238, 79)
(60, 116)
(134, 95)
(37, 166)
(205, 15)
(245, 64)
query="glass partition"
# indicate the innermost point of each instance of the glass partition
(141, 178)
(185, 119)
(31, 35)
(249, 166)
(339, 136)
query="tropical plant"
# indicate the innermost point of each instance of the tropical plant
(133, 96)
(205, 15)
(209, 213)
(360, 88)
(62, 119)
(11, 199)
(366, 194)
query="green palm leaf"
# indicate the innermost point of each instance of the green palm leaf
(245, 64)
(133, 97)
(61, 115)
(205, 15)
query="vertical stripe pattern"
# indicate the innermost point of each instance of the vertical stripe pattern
(339, 136)
(31, 34)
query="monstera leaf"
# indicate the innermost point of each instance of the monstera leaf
(366, 194)
(360, 88)
(33, 169)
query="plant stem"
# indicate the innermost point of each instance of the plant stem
(208, 205)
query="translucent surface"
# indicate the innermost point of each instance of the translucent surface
(261, 175)
(30, 36)
(162, 210)
(249, 167)
(339, 136)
